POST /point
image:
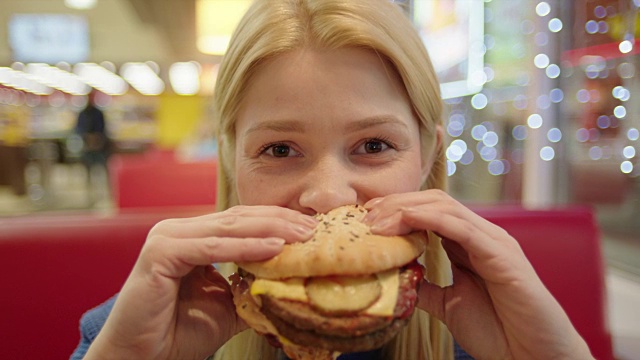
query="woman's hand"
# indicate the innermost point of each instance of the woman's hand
(174, 303)
(497, 306)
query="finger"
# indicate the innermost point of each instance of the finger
(238, 226)
(380, 208)
(472, 239)
(394, 203)
(175, 258)
(260, 211)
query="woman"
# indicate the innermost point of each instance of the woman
(322, 103)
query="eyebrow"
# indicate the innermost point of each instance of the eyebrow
(372, 121)
(298, 126)
(278, 126)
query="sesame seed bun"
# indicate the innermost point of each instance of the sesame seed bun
(341, 245)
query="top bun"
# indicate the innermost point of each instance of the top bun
(341, 245)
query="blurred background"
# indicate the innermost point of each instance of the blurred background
(541, 97)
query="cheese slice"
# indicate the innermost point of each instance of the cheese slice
(290, 289)
(384, 306)
(294, 289)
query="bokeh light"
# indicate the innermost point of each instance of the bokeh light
(534, 121)
(478, 131)
(554, 135)
(490, 138)
(451, 168)
(519, 132)
(633, 134)
(543, 9)
(629, 152)
(591, 27)
(556, 95)
(625, 46)
(543, 101)
(603, 27)
(603, 122)
(626, 167)
(541, 39)
(626, 70)
(582, 135)
(467, 158)
(555, 25)
(541, 61)
(583, 96)
(553, 71)
(479, 101)
(547, 153)
(496, 167)
(488, 153)
(620, 111)
(595, 153)
(456, 150)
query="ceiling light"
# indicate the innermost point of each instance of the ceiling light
(57, 78)
(215, 22)
(143, 78)
(100, 78)
(21, 81)
(80, 4)
(185, 77)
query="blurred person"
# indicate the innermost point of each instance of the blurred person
(319, 104)
(91, 129)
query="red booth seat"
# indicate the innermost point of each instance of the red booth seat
(159, 179)
(564, 248)
(54, 268)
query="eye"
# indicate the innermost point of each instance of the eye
(373, 146)
(279, 150)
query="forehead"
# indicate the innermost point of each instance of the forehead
(321, 84)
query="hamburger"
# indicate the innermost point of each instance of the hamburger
(344, 290)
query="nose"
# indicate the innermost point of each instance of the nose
(327, 186)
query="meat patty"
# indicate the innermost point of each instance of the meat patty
(305, 317)
(342, 344)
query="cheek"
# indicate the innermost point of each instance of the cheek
(404, 176)
(260, 190)
(405, 179)
(249, 188)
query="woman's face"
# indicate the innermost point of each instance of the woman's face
(319, 129)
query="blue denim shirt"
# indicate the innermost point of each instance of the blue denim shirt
(93, 320)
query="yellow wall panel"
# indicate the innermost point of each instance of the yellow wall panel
(177, 118)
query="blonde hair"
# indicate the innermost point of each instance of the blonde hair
(273, 27)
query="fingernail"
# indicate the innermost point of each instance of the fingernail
(371, 215)
(380, 225)
(273, 242)
(303, 230)
(371, 203)
(309, 221)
